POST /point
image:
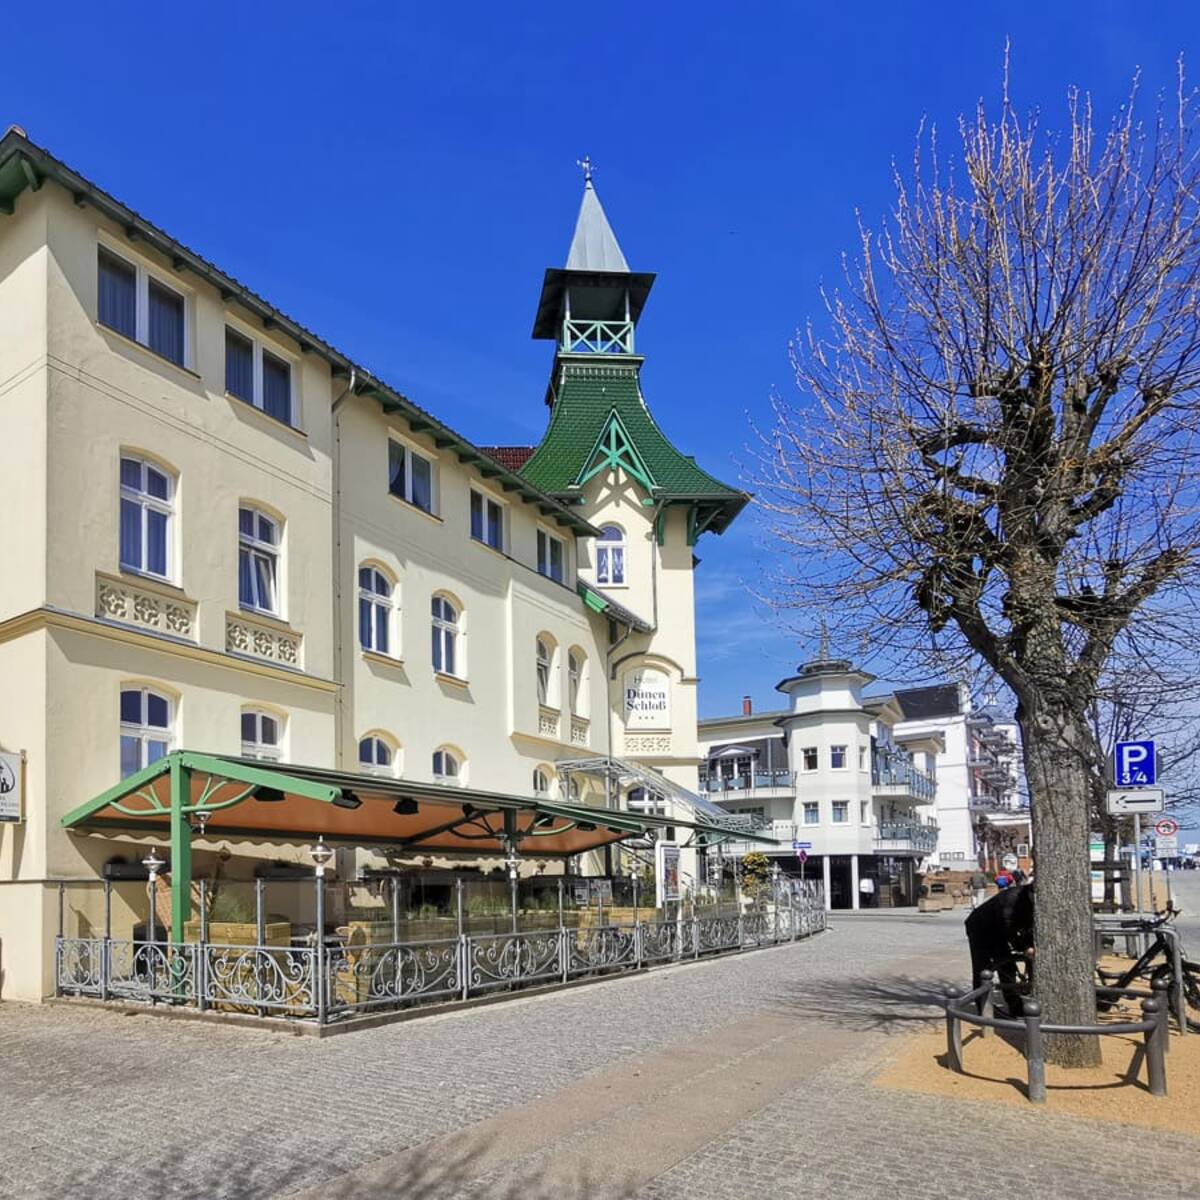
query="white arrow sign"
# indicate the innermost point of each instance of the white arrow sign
(1122, 801)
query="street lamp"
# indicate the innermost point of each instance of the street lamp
(321, 855)
(153, 865)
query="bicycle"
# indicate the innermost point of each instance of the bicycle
(1156, 963)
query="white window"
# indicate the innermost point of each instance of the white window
(551, 556)
(837, 757)
(841, 812)
(862, 758)
(812, 813)
(446, 766)
(410, 476)
(147, 514)
(610, 556)
(260, 735)
(374, 610)
(487, 520)
(547, 693)
(375, 756)
(146, 728)
(575, 693)
(864, 812)
(446, 657)
(141, 307)
(258, 561)
(260, 378)
(541, 783)
(809, 754)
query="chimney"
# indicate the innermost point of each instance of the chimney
(747, 706)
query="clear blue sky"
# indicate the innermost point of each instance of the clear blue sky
(397, 177)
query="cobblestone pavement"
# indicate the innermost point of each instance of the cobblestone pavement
(718, 1079)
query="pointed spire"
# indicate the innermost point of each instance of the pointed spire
(594, 246)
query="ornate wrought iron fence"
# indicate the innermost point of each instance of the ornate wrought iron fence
(332, 981)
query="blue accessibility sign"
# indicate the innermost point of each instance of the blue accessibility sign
(1134, 764)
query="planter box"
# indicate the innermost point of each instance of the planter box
(240, 933)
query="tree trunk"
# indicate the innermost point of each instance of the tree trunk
(1059, 763)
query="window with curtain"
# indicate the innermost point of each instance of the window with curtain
(257, 376)
(147, 512)
(140, 306)
(840, 812)
(487, 521)
(550, 556)
(445, 765)
(146, 728)
(261, 735)
(812, 812)
(445, 636)
(374, 610)
(117, 298)
(375, 755)
(258, 561)
(610, 556)
(165, 330)
(410, 476)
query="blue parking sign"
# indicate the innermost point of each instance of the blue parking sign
(1134, 764)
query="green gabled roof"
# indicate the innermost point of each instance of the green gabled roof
(587, 396)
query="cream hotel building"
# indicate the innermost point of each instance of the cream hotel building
(224, 535)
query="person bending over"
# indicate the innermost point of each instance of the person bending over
(998, 931)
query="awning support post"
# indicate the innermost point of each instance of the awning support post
(181, 851)
(395, 908)
(106, 948)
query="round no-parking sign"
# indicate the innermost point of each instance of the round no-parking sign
(1167, 827)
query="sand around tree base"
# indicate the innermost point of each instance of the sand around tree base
(996, 1074)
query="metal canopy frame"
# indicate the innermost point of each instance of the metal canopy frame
(199, 786)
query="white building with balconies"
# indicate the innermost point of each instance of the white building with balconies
(831, 781)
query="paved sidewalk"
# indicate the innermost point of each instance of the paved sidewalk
(724, 1078)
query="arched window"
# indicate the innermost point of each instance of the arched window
(262, 734)
(541, 783)
(446, 633)
(576, 691)
(258, 561)
(147, 517)
(547, 690)
(572, 789)
(374, 610)
(610, 555)
(147, 728)
(446, 766)
(376, 756)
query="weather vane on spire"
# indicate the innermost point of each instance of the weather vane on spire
(585, 165)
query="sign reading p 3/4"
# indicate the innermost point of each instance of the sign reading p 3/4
(1134, 764)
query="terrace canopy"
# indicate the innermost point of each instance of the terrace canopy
(228, 797)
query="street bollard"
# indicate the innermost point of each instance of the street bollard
(1156, 1069)
(1034, 1054)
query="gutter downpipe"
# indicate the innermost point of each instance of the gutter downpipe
(339, 708)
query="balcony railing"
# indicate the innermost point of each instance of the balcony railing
(718, 785)
(597, 337)
(894, 768)
(909, 835)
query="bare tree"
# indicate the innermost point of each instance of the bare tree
(994, 452)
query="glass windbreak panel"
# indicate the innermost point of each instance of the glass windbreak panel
(239, 366)
(165, 334)
(422, 483)
(117, 299)
(277, 388)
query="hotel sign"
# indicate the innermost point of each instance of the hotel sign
(647, 699)
(12, 785)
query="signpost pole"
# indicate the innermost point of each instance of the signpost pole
(1137, 875)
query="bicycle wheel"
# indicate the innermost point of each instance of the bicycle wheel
(1191, 992)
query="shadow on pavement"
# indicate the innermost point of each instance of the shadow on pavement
(884, 1003)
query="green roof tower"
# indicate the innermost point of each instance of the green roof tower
(600, 425)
